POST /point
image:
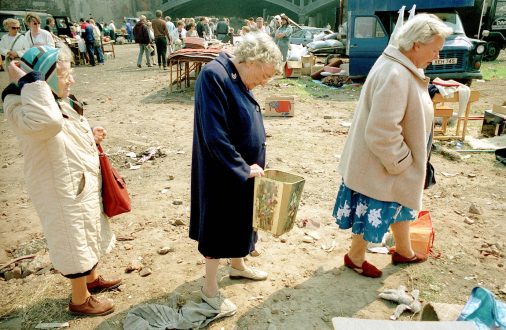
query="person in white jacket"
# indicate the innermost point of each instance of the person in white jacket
(13, 45)
(37, 36)
(62, 170)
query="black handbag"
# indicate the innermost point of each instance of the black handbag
(430, 178)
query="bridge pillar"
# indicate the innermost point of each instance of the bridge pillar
(302, 18)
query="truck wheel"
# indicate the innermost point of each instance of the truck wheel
(493, 49)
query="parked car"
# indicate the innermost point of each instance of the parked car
(306, 34)
(20, 16)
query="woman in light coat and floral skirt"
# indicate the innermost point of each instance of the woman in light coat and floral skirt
(384, 159)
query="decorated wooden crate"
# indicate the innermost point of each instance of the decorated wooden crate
(276, 200)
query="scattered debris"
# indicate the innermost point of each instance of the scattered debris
(468, 221)
(133, 265)
(129, 246)
(177, 202)
(475, 209)
(145, 272)
(307, 239)
(330, 247)
(255, 253)
(449, 174)
(52, 325)
(164, 250)
(314, 235)
(179, 222)
(336, 271)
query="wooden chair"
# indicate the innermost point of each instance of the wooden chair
(444, 111)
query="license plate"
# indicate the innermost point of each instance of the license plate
(445, 61)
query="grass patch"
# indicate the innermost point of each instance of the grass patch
(495, 69)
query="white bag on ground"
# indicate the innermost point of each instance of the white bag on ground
(296, 52)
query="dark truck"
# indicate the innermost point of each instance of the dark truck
(486, 20)
(371, 22)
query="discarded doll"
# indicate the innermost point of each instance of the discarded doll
(405, 300)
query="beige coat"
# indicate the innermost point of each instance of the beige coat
(62, 174)
(385, 154)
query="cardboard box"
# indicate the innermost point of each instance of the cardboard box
(276, 201)
(500, 108)
(307, 62)
(293, 69)
(316, 67)
(279, 106)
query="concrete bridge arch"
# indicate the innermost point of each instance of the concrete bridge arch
(298, 10)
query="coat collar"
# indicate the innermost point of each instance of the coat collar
(395, 54)
(224, 59)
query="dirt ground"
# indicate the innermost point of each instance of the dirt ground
(138, 110)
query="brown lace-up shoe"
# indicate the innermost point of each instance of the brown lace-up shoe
(92, 307)
(105, 282)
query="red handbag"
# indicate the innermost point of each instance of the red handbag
(114, 193)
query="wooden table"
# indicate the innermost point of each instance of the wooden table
(187, 61)
(475, 96)
(107, 43)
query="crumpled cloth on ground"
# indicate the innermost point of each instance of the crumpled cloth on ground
(493, 143)
(171, 316)
(484, 310)
(464, 94)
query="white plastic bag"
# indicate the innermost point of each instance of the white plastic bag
(398, 26)
(296, 52)
(82, 46)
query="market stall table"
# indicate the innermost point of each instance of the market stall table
(107, 43)
(189, 60)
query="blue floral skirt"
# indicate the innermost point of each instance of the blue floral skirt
(366, 215)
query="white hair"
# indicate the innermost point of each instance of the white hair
(65, 54)
(142, 18)
(258, 47)
(423, 28)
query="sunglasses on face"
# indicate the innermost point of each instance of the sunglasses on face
(35, 23)
(15, 27)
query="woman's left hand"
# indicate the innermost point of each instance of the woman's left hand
(99, 133)
(15, 72)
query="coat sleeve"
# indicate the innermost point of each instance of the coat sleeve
(4, 48)
(25, 45)
(36, 113)
(211, 122)
(383, 132)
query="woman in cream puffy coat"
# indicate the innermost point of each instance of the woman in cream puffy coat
(62, 170)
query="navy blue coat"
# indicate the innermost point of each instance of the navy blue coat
(228, 137)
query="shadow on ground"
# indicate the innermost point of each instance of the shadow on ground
(307, 305)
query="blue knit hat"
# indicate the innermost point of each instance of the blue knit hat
(43, 59)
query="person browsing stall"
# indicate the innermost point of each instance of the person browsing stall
(384, 158)
(228, 152)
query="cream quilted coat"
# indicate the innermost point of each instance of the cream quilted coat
(62, 174)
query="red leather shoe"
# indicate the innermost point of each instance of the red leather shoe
(92, 307)
(398, 259)
(105, 283)
(367, 269)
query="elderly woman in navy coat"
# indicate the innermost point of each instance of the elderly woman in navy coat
(228, 152)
